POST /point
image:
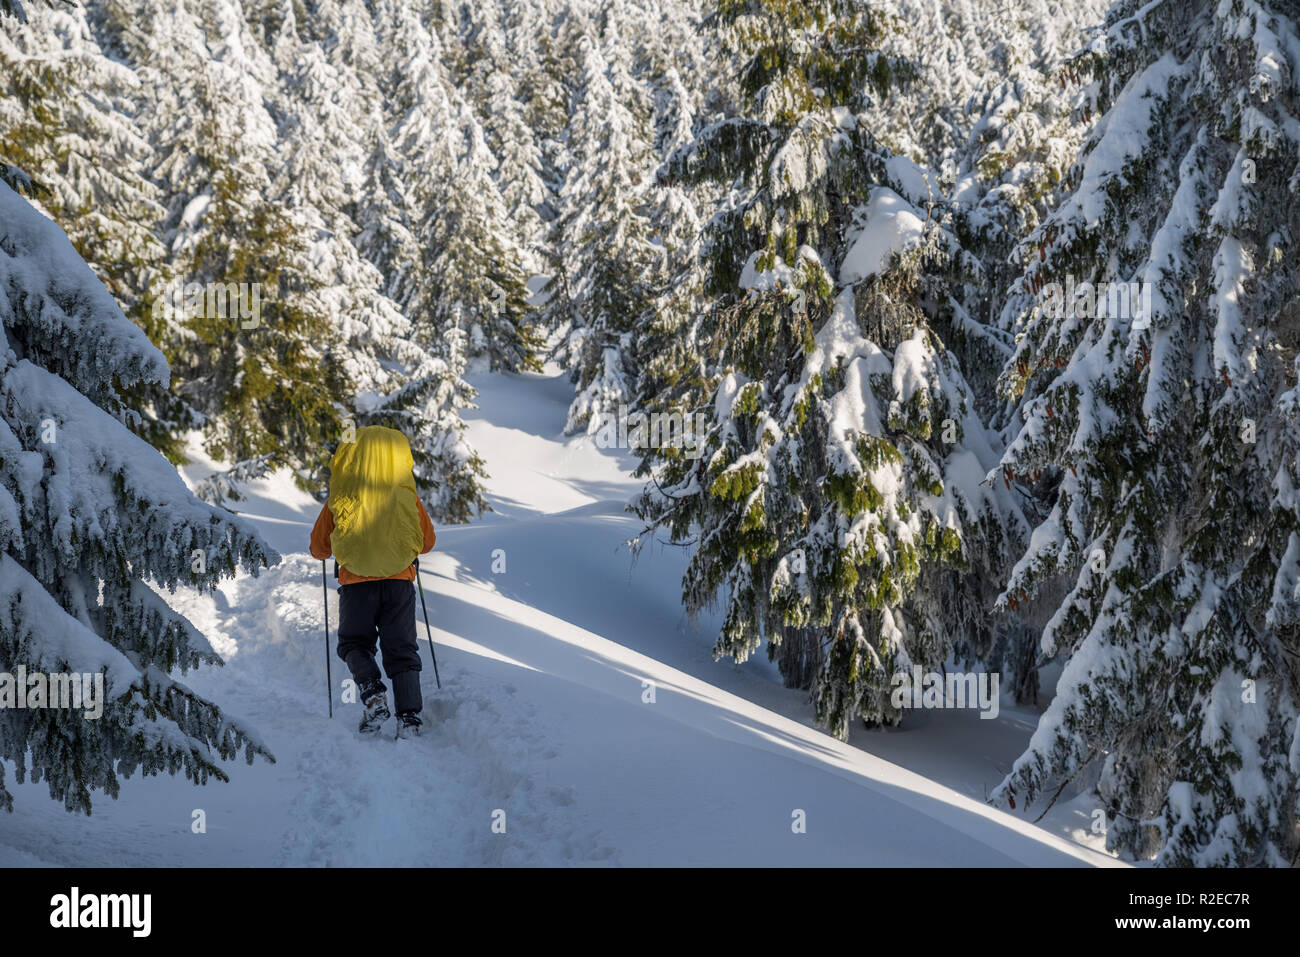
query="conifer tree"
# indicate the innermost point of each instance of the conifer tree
(841, 462)
(90, 517)
(602, 251)
(1164, 413)
(468, 273)
(268, 379)
(520, 169)
(69, 114)
(472, 266)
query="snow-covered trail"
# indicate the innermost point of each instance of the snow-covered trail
(550, 641)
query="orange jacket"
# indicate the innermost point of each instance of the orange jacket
(324, 528)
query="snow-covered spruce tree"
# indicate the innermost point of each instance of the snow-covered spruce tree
(981, 62)
(623, 358)
(69, 115)
(838, 492)
(329, 177)
(407, 150)
(675, 111)
(268, 379)
(989, 121)
(602, 253)
(90, 516)
(496, 74)
(472, 268)
(997, 127)
(670, 366)
(383, 215)
(543, 73)
(1170, 426)
(320, 175)
(520, 166)
(66, 109)
(468, 273)
(1001, 135)
(448, 472)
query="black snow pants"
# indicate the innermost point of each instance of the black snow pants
(383, 610)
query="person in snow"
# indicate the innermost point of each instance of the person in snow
(375, 525)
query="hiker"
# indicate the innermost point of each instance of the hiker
(375, 525)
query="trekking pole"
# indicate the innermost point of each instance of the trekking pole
(433, 654)
(329, 680)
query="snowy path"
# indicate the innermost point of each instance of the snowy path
(542, 714)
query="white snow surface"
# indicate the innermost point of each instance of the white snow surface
(543, 713)
(892, 226)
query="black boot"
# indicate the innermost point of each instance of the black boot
(408, 724)
(375, 700)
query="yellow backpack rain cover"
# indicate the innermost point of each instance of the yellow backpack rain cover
(372, 497)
